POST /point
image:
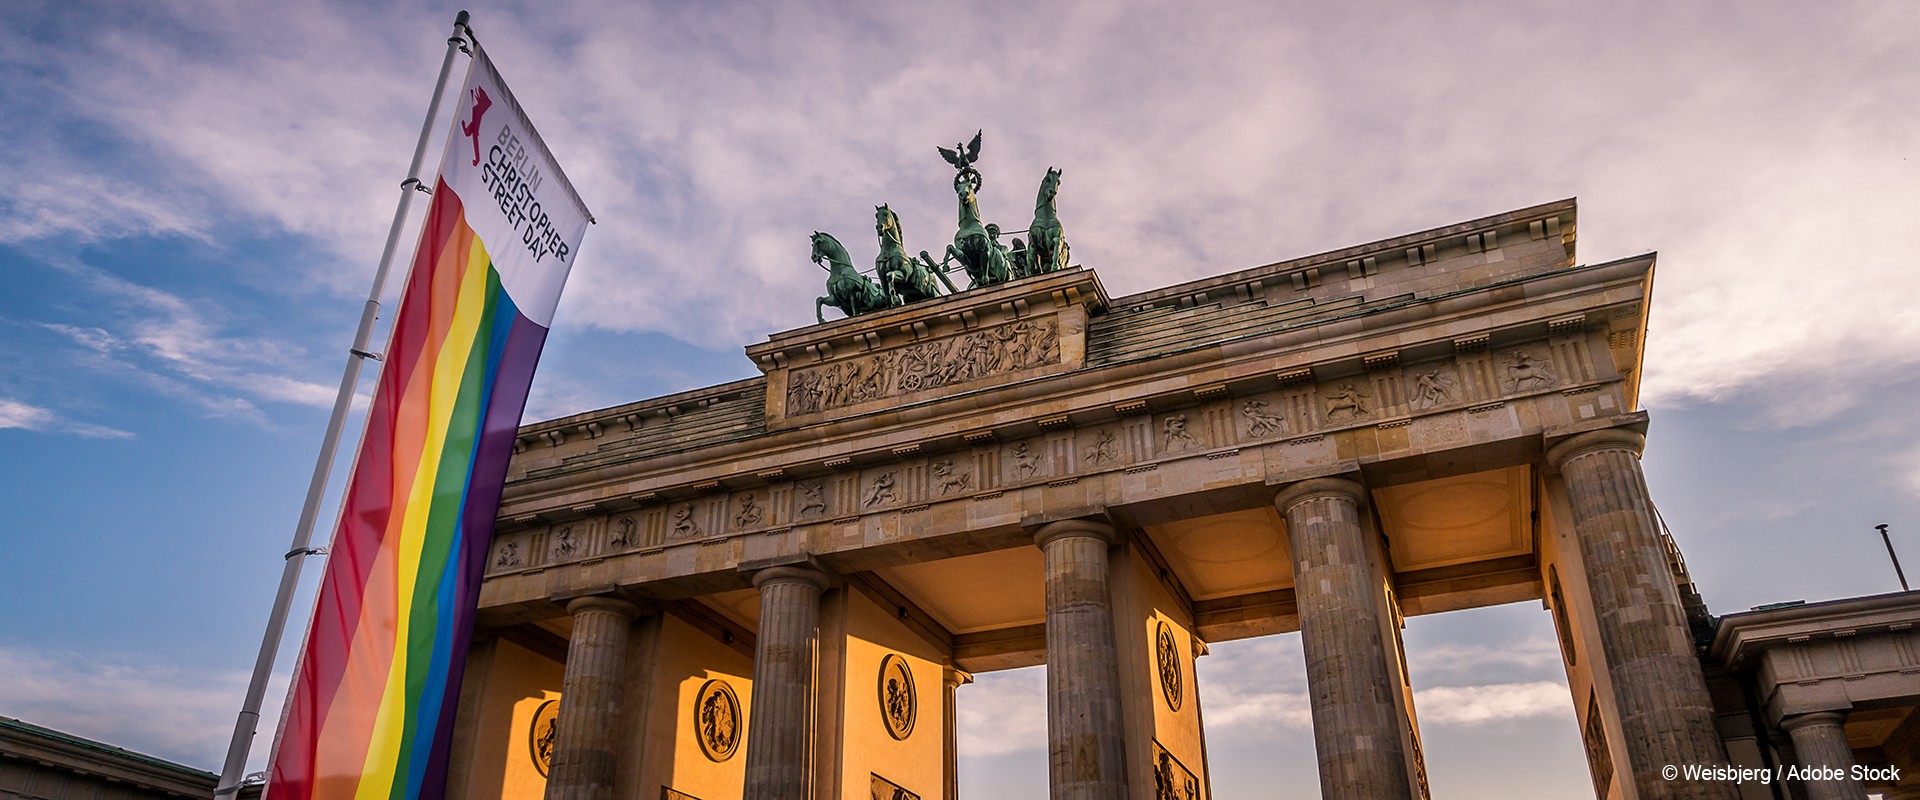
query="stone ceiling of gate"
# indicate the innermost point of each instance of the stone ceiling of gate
(920, 441)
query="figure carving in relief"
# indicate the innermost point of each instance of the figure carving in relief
(1025, 460)
(951, 480)
(1526, 371)
(749, 514)
(1432, 388)
(1259, 421)
(882, 491)
(683, 525)
(509, 555)
(1174, 433)
(1348, 399)
(813, 498)
(1102, 451)
(923, 366)
(623, 535)
(563, 546)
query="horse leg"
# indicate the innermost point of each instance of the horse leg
(819, 308)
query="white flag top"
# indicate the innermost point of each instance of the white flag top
(516, 199)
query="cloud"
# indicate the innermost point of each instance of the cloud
(1003, 712)
(1769, 161)
(1474, 705)
(155, 708)
(178, 349)
(21, 416)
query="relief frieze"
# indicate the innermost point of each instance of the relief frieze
(920, 367)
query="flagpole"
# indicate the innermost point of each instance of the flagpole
(246, 725)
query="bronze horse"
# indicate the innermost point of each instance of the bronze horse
(847, 289)
(904, 278)
(1047, 242)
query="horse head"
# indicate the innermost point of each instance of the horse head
(1049, 188)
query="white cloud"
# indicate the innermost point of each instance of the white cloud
(1474, 705)
(21, 416)
(1003, 712)
(154, 708)
(15, 414)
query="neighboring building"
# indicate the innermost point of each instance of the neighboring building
(44, 764)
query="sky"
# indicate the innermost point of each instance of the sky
(196, 193)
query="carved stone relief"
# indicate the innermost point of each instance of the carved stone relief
(1166, 652)
(1174, 436)
(1432, 387)
(1171, 779)
(882, 491)
(1026, 461)
(540, 735)
(1348, 399)
(813, 498)
(716, 719)
(1525, 371)
(884, 789)
(1260, 421)
(926, 365)
(563, 544)
(746, 513)
(623, 533)
(509, 555)
(684, 525)
(952, 479)
(1599, 758)
(1104, 449)
(899, 706)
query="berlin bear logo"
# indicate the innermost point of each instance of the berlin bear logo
(472, 129)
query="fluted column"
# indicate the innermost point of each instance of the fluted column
(1820, 741)
(1085, 750)
(1350, 667)
(786, 654)
(954, 679)
(1665, 714)
(584, 749)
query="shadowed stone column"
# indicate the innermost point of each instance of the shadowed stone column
(1665, 714)
(780, 721)
(1350, 663)
(590, 699)
(1820, 741)
(1085, 751)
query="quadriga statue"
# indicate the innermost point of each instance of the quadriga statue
(847, 289)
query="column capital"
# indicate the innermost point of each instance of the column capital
(601, 602)
(956, 677)
(793, 573)
(1605, 439)
(1312, 488)
(1810, 719)
(1090, 528)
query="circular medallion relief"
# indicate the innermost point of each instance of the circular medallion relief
(716, 720)
(897, 702)
(1167, 651)
(540, 735)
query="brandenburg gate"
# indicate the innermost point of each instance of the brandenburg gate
(771, 589)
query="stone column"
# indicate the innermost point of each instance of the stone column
(1351, 665)
(1085, 749)
(1665, 714)
(786, 654)
(953, 680)
(1820, 741)
(584, 740)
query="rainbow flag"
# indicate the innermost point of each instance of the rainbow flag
(371, 708)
